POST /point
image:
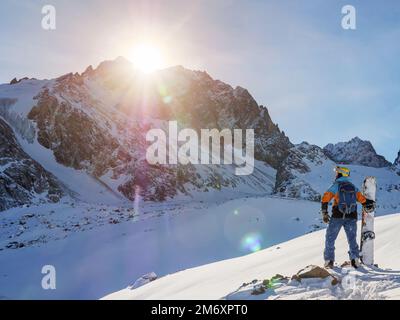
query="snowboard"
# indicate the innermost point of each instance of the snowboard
(368, 189)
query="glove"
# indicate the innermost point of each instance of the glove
(324, 212)
(325, 217)
(369, 206)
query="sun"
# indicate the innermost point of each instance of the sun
(146, 57)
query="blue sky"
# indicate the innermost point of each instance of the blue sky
(320, 82)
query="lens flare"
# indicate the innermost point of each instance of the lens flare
(162, 90)
(167, 99)
(252, 242)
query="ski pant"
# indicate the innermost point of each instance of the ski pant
(350, 228)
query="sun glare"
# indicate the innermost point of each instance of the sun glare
(146, 58)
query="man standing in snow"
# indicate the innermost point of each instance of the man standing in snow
(344, 214)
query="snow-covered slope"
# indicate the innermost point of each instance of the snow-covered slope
(16, 102)
(304, 173)
(225, 279)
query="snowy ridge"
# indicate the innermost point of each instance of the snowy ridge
(356, 151)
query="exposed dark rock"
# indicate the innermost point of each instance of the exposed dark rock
(22, 178)
(313, 271)
(15, 81)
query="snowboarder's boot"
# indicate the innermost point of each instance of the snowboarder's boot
(328, 264)
(355, 263)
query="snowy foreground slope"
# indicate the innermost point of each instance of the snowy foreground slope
(225, 279)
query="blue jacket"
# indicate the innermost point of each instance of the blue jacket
(333, 193)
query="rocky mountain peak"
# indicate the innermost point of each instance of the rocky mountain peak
(355, 151)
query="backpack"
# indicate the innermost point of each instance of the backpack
(347, 198)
